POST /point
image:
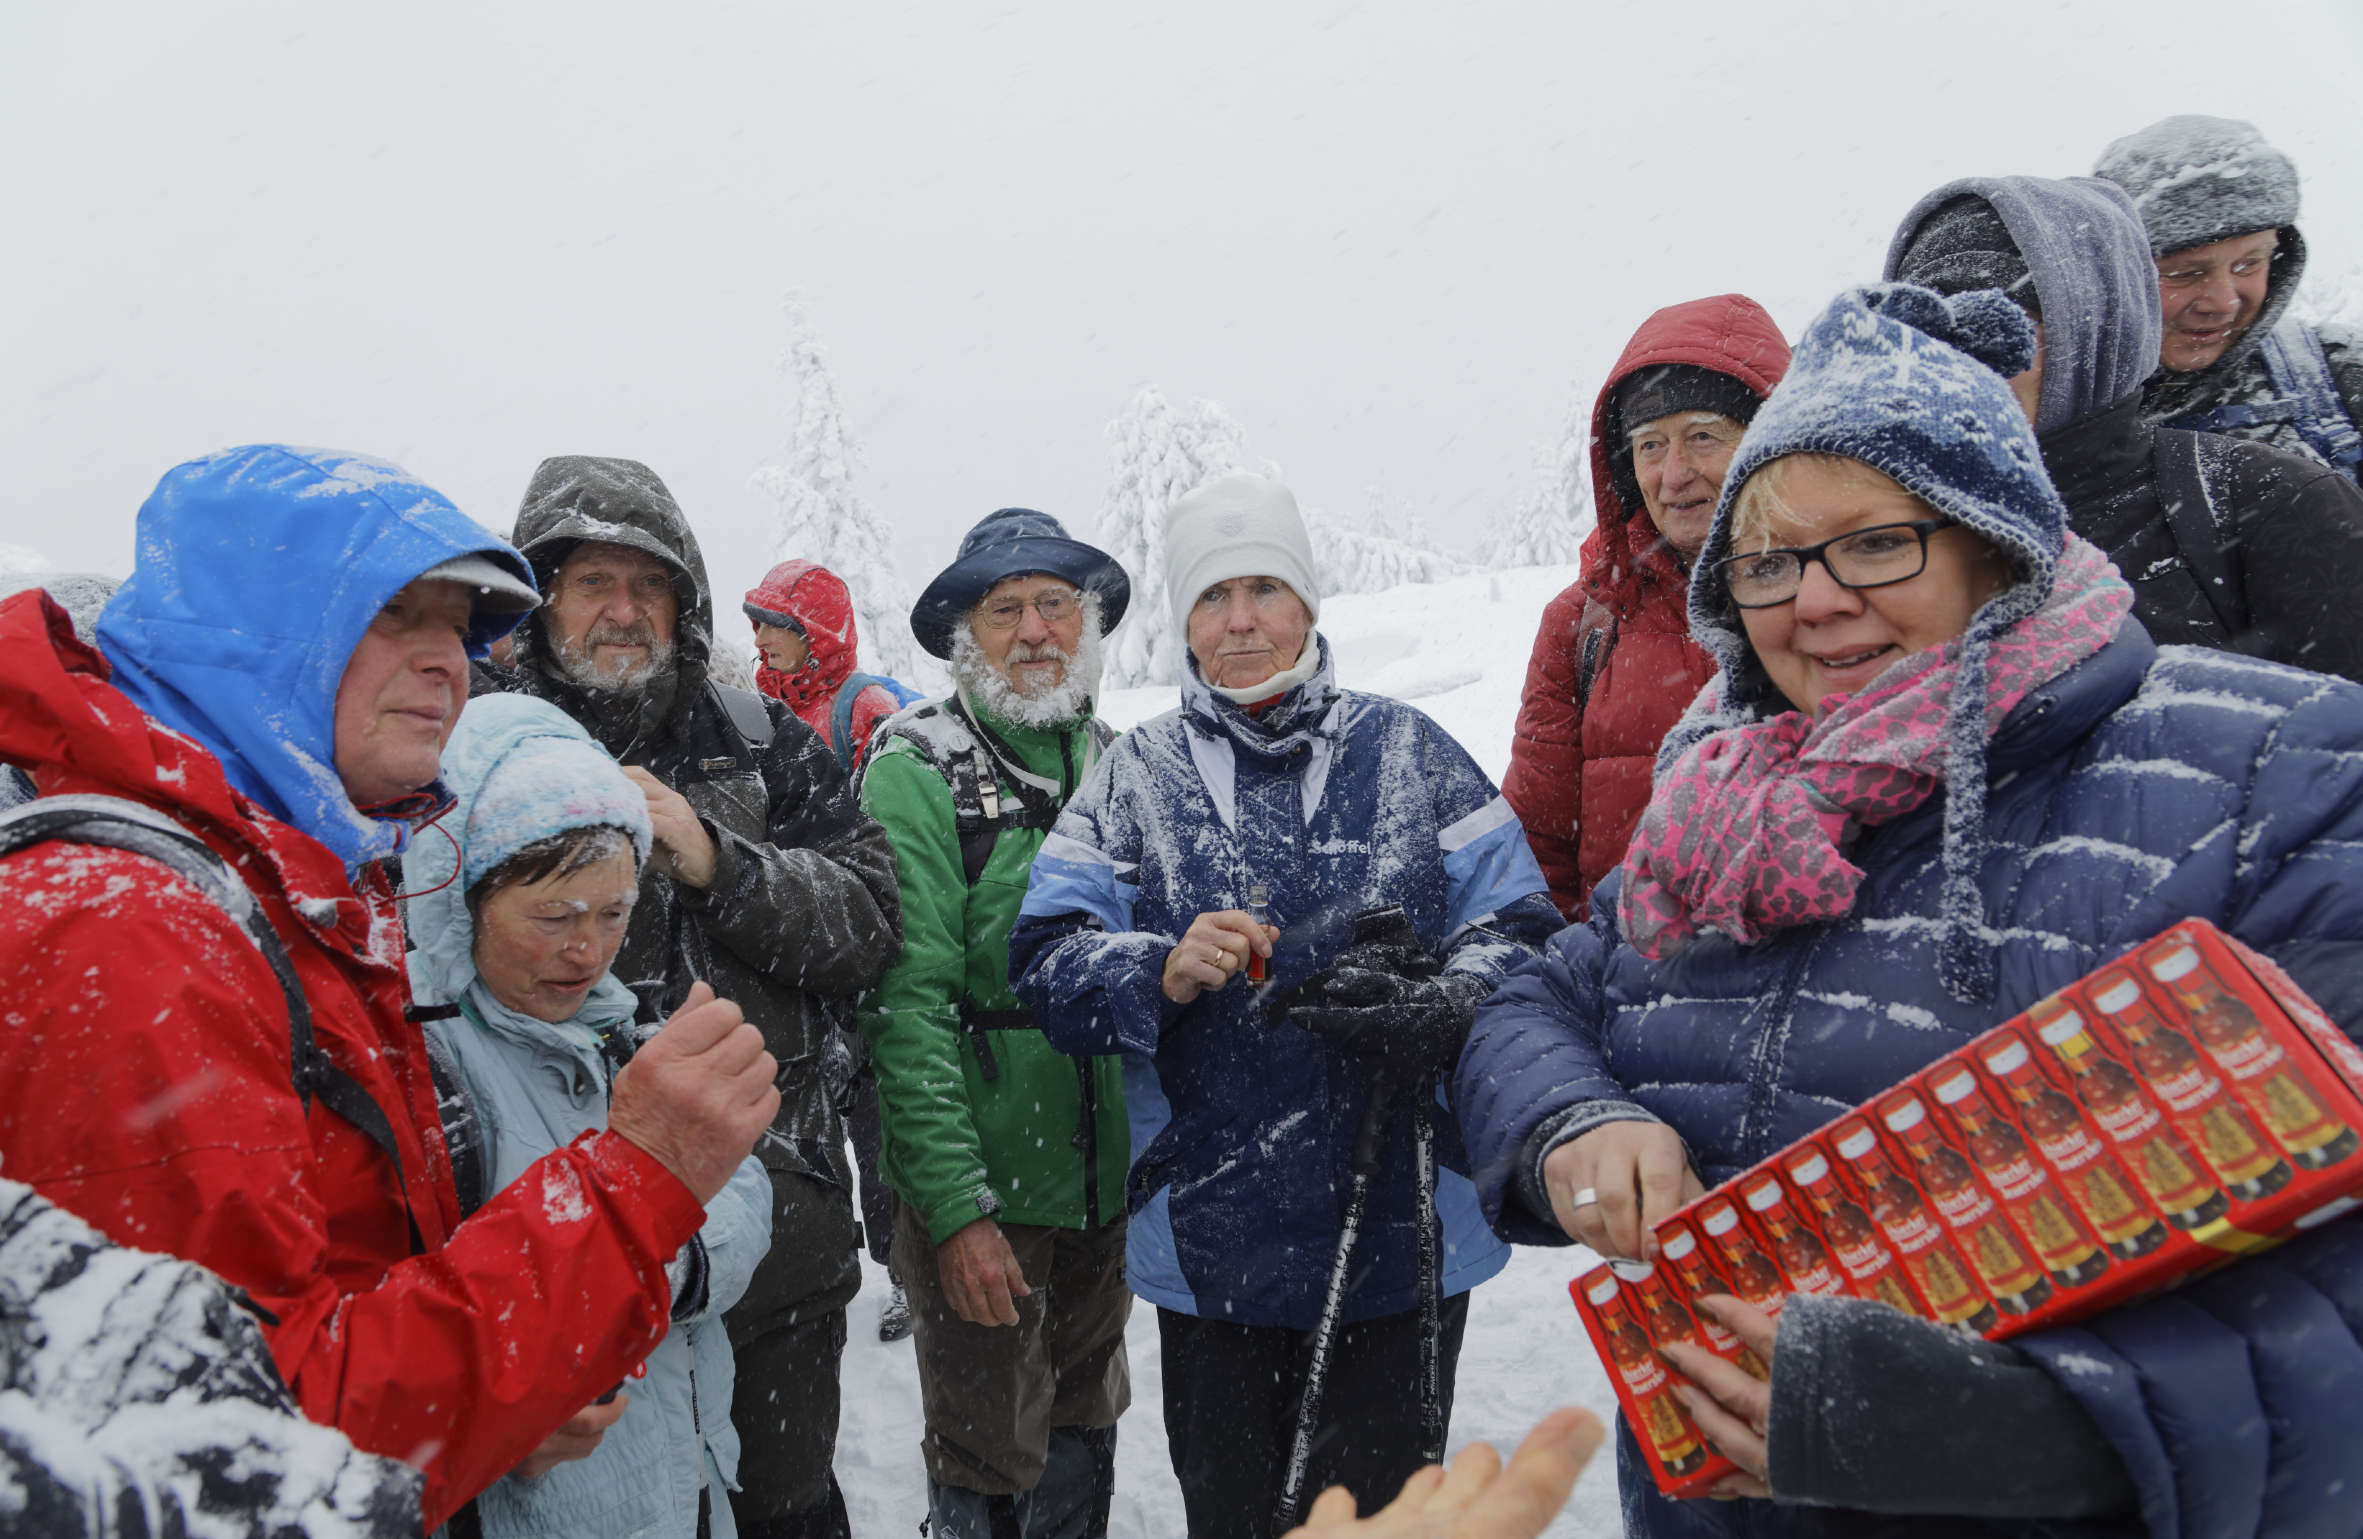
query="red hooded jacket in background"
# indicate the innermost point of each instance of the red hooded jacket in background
(146, 1087)
(1580, 769)
(822, 607)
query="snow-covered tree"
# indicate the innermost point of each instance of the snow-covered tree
(824, 518)
(1382, 551)
(1160, 454)
(1549, 527)
(21, 568)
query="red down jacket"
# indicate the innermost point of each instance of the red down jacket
(1580, 767)
(145, 1086)
(822, 606)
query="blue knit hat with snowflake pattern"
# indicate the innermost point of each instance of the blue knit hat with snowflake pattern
(1915, 386)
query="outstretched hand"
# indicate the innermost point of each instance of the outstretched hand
(1478, 1498)
(698, 1093)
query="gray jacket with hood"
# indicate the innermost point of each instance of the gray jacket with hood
(803, 912)
(2195, 180)
(2228, 544)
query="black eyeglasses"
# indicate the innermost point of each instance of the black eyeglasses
(1867, 558)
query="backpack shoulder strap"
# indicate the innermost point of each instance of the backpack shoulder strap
(2300, 370)
(979, 809)
(746, 712)
(841, 716)
(115, 823)
(1595, 635)
(2203, 532)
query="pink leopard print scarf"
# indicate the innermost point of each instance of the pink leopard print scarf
(1745, 833)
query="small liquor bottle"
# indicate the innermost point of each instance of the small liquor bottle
(1871, 1268)
(1662, 1423)
(2082, 1162)
(2261, 1073)
(2164, 1165)
(2062, 1243)
(1901, 1213)
(1753, 1276)
(2247, 1162)
(1259, 909)
(1679, 1249)
(2015, 1281)
(1804, 1260)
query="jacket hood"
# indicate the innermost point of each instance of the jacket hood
(1730, 334)
(572, 783)
(62, 721)
(578, 497)
(257, 571)
(821, 607)
(2094, 278)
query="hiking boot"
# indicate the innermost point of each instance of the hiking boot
(894, 1321)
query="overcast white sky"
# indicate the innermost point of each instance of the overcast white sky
(1394, 238)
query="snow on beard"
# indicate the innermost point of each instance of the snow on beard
(1046, 706)
(580, 664)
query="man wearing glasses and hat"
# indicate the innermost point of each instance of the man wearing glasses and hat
(1009, 1158)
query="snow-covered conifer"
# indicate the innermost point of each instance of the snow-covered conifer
(1160, 454)
(824, 518)
(1549, 526)
(1384, 550)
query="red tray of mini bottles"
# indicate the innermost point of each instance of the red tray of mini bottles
(2179, 1107)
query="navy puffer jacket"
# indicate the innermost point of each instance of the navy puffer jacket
(1243, 1128)
(2142, 787)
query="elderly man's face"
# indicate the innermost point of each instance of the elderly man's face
(1679, 460)
(402, 692)
(610, 615)
(2212, 294)
(1023, 645)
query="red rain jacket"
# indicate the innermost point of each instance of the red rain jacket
(1580, 769)
(818, 600)
(145, 1085)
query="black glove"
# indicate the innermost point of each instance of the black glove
(1401, 1027)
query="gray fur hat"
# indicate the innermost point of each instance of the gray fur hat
(2197, 180)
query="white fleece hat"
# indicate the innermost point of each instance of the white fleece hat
(1239, 524)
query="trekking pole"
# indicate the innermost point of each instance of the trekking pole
(1368, 1141)
(1431, 1271)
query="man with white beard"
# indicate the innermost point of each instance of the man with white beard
(1008, 1158)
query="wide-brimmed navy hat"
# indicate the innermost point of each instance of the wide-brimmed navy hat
(1011, 542)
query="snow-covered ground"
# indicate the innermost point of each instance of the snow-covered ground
(1458, 650)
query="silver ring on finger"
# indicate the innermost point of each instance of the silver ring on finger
(1586, 1197)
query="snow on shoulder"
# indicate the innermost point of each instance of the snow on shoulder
(1456, 649)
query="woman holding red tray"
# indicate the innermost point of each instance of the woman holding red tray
(1941, 774)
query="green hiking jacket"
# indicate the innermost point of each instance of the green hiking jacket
(959, 1145)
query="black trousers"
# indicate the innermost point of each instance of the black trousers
(1231, 1394)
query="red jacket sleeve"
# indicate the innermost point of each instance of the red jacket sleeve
(873, 705)
(145, 1085)
(1545, 780)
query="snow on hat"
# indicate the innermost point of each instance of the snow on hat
(1666, 388)
(1013, 542)
(1239, 524)
(2197, 180)
(1916, 387)
(544, 786)
(1964, 245)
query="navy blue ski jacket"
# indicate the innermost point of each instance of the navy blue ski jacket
(1243, 1127)
(2142, 787)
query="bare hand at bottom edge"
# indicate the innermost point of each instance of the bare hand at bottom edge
(1479, 1497)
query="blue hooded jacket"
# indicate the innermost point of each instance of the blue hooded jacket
(533, 1086)
(257, 571)
(1242, 1128)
